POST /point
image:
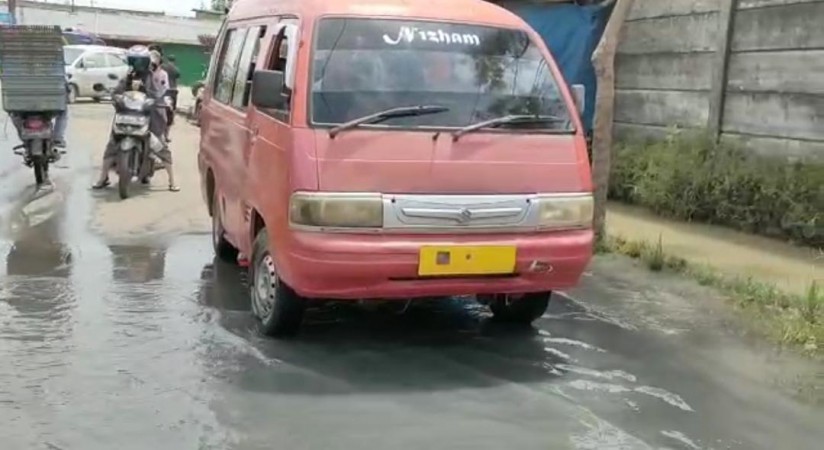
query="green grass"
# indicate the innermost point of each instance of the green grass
(789, 319)
(691, 176)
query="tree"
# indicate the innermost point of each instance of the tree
(221, 5)
(603, 59)
(12, 7)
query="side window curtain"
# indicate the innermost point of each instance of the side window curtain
(246, 67)
(228, 64)
(278, 60)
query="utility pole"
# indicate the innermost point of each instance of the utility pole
(13, 10)
(603, 59)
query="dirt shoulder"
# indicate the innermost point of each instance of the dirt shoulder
(777, 288)
(788, 267)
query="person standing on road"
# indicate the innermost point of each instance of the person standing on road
(174, 75)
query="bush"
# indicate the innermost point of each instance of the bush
(693, 178)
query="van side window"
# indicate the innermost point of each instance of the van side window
(278, 60)
(227, 64)
(246, 67)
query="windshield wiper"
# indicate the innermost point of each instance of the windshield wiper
(404, 111)
(505, 120)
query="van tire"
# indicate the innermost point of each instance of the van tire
(224, 249)
(277, 307)
(522, 311)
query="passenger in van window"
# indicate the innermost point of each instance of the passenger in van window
(440, 75)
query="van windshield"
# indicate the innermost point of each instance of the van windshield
(361, 66)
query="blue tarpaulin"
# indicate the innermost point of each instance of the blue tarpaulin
(6, 19)
(571, 32)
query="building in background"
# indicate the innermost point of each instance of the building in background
(179, 36)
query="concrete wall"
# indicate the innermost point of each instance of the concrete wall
(759, 64)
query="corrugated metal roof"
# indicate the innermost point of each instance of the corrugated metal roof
(121, 25)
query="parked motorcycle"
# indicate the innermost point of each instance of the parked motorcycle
(135, 143)
(37, 149)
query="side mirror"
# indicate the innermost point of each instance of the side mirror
(267, 90)
(81, 64)
(113, 77)
(579, 95)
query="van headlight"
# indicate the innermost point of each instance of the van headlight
(336, 210)
(566, 211)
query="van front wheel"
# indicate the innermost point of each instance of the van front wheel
(523, 309)
(278, 308)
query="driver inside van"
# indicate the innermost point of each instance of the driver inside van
(341, 74)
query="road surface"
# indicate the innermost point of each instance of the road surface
(119, 330)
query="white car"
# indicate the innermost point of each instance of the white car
(87, 65)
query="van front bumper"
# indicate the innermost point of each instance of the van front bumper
(351, 266)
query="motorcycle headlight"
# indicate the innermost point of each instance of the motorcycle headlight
(566, 211)
(336, 210)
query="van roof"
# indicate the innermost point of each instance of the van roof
(473, 11)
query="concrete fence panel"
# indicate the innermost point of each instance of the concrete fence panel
(749, 70)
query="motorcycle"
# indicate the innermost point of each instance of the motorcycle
(136, 144)
(37, 149)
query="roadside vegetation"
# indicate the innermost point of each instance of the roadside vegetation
(793, 320)
(688, 176)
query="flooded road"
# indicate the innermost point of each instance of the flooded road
(119, 330)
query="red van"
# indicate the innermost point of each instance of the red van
(386, 149)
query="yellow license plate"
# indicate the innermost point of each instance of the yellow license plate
(466, 260)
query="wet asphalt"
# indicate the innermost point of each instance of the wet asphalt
(149, 344)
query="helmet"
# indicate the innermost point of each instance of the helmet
(139, 58)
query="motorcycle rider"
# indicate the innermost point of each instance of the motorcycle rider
(146, 75)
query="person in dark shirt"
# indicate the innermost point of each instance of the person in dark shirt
(174, 75)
